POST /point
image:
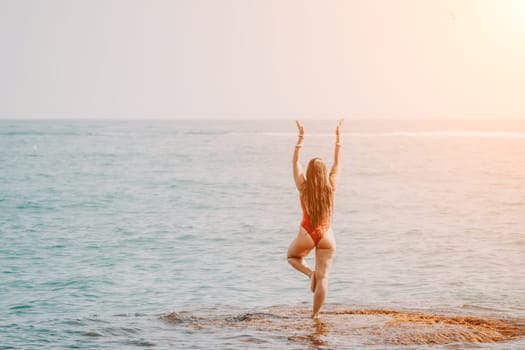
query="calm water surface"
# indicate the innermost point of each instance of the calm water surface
(107, 226)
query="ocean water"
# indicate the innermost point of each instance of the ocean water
(173, 234)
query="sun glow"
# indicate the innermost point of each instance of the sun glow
(516, 14)
(507, 18)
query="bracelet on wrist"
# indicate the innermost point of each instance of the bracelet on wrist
(338, 144)
(299, 145)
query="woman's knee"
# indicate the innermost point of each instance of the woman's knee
(321, 274)
(290, 255)
(292, 259)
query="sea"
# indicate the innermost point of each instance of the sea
(173, 234)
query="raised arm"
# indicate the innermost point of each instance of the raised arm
(334, 173)
(297, 168)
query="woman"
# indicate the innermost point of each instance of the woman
(316, 196)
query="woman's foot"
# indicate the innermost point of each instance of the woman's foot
(315, 316)
(313, 282)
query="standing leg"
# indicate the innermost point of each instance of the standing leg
(323, 261)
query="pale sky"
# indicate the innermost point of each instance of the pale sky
(441, 59)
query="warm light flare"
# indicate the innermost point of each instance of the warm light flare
(516, 14)
(507, 18)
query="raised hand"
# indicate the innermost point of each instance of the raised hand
(299, 128)
(338, 128)
(338, 131)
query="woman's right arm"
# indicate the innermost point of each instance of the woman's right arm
(298, 175)
(334, 173)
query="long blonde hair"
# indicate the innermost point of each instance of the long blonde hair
(317, 192)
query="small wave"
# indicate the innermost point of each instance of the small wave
(44, 133)
(519, 242)
(92, 334)
(116, 133)
(479, 308)
(206, 132)
(141, 342)
(28, 205)
(246, 339)
(253, 316)
(460, 134)
(20, 307)
(119, 331)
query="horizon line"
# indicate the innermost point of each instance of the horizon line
(360, 119)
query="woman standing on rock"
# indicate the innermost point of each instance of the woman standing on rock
(316, 194)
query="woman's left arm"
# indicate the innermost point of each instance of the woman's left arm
(334, 172)
(297, 168)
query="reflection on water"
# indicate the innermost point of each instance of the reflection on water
(360, 326)
(321, 329)
(316, 336)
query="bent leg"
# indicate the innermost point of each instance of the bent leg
(323, 261)
(299, 248)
